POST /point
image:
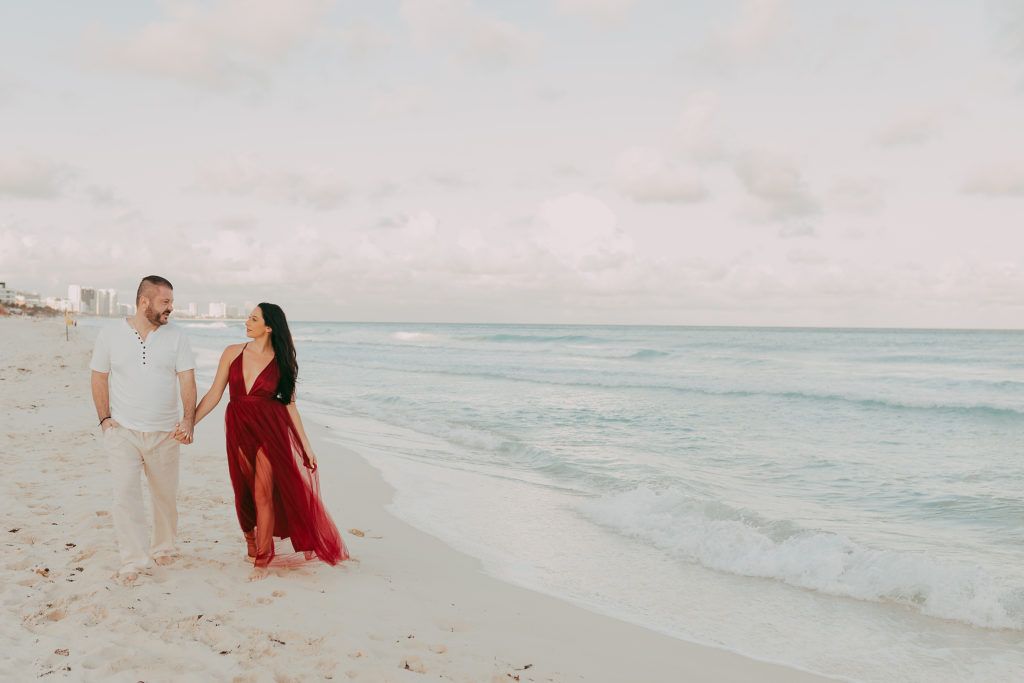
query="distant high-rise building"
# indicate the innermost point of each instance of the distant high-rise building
(6, 295)
(106, 302)
(75, 298)
(88, 300)
(218, 310)
(193, 310)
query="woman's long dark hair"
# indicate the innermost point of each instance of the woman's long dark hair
(284, 351)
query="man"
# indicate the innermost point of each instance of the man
(136, 365)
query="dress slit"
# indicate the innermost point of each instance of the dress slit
(263, 495)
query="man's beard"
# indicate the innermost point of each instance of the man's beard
(155, 317)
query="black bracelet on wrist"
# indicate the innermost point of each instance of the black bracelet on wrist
(104, 420)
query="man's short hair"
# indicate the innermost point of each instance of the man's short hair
(147, 285)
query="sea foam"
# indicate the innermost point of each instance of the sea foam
(727, 539)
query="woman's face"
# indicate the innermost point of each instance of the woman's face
(254, 326)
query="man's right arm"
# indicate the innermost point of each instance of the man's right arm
(101, 398)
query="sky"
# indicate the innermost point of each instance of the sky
(735, 162)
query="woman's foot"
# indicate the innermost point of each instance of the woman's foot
(163, 560)
(128, 577)
(250, 547)
(257, 574)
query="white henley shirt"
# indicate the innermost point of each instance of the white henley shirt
(143, 381)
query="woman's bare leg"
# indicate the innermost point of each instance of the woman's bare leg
(263, 493)
(250, 534)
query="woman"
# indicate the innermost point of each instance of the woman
(272, 466)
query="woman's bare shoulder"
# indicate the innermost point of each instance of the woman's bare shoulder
(231, 351)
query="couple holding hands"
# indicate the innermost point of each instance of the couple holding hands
(139, 367)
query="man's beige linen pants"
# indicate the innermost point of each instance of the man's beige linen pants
(131, 455)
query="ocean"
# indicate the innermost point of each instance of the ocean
(846, 501)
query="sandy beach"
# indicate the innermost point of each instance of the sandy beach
(405, 608)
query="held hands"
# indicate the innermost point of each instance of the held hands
(108, 424)
(183, 431)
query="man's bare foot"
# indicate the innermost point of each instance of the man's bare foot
(163, 560)
(128, 577)
(257, 573)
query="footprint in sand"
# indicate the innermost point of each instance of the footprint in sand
(18, 563)
(420, 645)
(56, 614)
(414, 664)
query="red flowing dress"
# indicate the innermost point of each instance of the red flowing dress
(277, 489)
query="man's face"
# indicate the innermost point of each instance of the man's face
(160, 306)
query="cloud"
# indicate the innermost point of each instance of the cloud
(450, 180)
(16, 251)
(363, 41)
(238, 222)
(242, 176)
(297, 260)
(226, 44)
(29, 177)
(27, 254)
(792, 231)
(402, 101)
(776, 183)
(911, 128)
(580, 231)
(646, 176)
(471, 34)
(697, 131)
(410, 240)
(805, 257)
(550, 93)
(239, 257)
(596, 9)
(570, 242)
(102, 194)
(1008, 17)
(997, 179)
(10, 86)
(758, 27)
(858, 196)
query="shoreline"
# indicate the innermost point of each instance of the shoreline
(407, 605)
(680, 326)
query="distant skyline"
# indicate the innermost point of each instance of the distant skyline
(102, 301)
(757, 162)
(126, 301)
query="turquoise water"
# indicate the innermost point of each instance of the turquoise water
(847, 501)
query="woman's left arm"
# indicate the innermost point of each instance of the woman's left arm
(297, 421)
